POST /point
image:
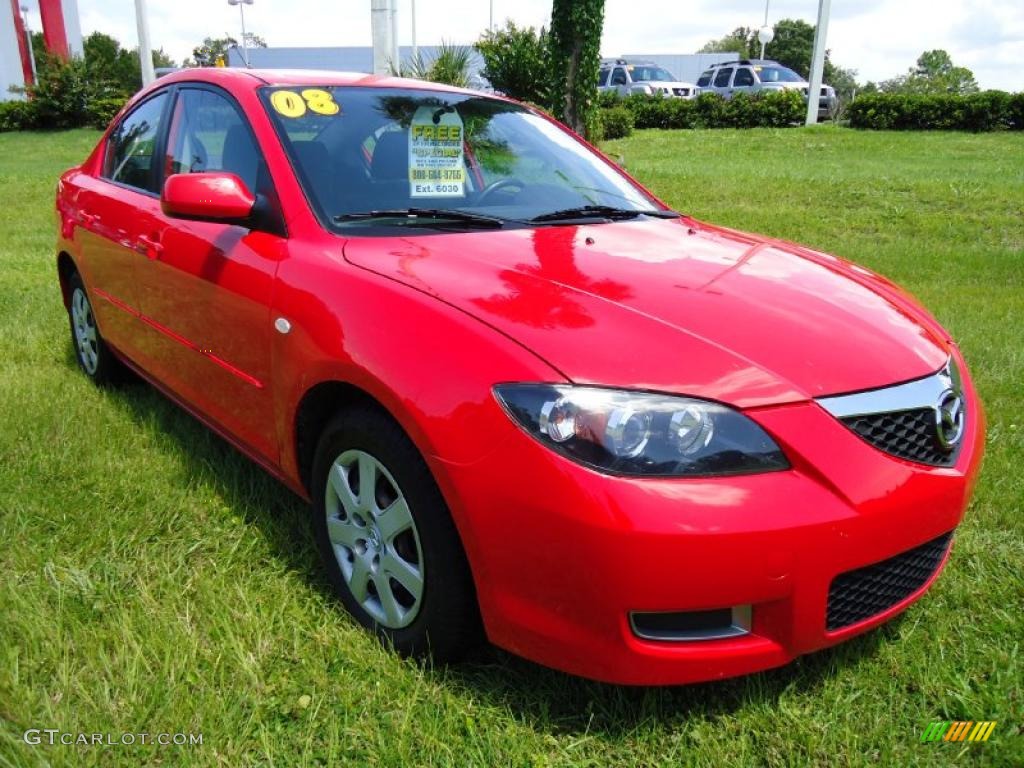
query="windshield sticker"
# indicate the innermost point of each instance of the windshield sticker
(292, 104)
(436, 160)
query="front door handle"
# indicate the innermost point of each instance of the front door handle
(150, 247)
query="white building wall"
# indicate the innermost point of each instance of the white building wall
(10, 57)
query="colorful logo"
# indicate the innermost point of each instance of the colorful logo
(959, 730)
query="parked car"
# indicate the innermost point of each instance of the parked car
(520, 392)
(755, 75)
(627, 77)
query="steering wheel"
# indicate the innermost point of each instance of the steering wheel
(497, 186)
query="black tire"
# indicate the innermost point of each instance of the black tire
(446, 622)
(94, 357)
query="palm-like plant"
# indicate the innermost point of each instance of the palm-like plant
(450, 65)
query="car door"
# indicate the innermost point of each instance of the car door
(620, 81)
(110, 208)
(722, 79)
(205, 288)
(743, 81)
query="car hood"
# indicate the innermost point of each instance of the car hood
(675, 306)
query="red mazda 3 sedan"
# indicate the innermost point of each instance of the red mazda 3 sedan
(522, 395)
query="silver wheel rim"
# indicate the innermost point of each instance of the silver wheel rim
(85, 331)
(374, 539)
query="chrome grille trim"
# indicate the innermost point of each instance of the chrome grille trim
(909, 396)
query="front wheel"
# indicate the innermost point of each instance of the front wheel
(388, 542)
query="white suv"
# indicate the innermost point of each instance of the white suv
(628, 77)
(754, 75)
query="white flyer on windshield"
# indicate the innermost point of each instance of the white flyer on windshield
(436, 159)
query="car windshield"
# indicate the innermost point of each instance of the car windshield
(367, 154)
(778, 75)
(651, 73)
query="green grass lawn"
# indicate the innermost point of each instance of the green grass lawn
(153, 580)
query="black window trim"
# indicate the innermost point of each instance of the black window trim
(157, 174)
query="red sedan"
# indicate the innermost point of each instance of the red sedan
(522, 395)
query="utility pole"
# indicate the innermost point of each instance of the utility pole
(818, 61)
(766, 34)
(145, 49)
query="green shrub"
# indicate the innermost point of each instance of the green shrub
(61, 94)
(985, 111)
(17, 115)
(608, 99)
(516, 61)
(102, 111)
(616, 123)
(710, 110)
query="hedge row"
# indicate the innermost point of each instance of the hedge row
(35, 114)
(986, 111)
(709, 110)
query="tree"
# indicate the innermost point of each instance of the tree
(516, 61)
(211, 49)
(934, 73)
(575, 55)
(107, 61)
(738, 41)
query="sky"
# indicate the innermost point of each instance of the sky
(878, 38)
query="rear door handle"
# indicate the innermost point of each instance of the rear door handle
(150, 247)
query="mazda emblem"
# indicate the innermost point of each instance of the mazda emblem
(949, 419)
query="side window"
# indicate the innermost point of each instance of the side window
(619, 76)
(129, 157)
(744, 76)
(705, 79)
(208, 134)
(602, 79)
(722, 78)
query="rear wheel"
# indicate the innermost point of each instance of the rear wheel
(388, 542)
(93, 355)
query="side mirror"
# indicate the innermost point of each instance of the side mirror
(215, 196)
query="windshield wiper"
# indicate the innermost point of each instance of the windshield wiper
(438, 215)
(602, 212)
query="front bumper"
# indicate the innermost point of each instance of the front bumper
(562, 555)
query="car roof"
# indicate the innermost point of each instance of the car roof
(258, 77)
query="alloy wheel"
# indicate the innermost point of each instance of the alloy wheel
(84, 324)
(374, 539)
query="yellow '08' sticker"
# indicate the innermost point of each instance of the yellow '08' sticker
(292, 104)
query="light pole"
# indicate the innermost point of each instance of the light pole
(28, 38)
(818, 61)
(145, 50)
(241, 10)
(415, 50)
(766, 34)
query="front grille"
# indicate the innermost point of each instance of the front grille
(907, 434)
(866, 592)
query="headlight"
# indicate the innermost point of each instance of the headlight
(637, 433)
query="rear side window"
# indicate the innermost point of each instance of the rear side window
(208, 134)
(602, 79)
(705, 79)
(131, 149)
(722, 78)
(744, 76)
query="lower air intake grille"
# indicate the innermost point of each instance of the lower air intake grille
(907, 434)
(866, 592)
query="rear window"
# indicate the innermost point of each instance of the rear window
(722, 78)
